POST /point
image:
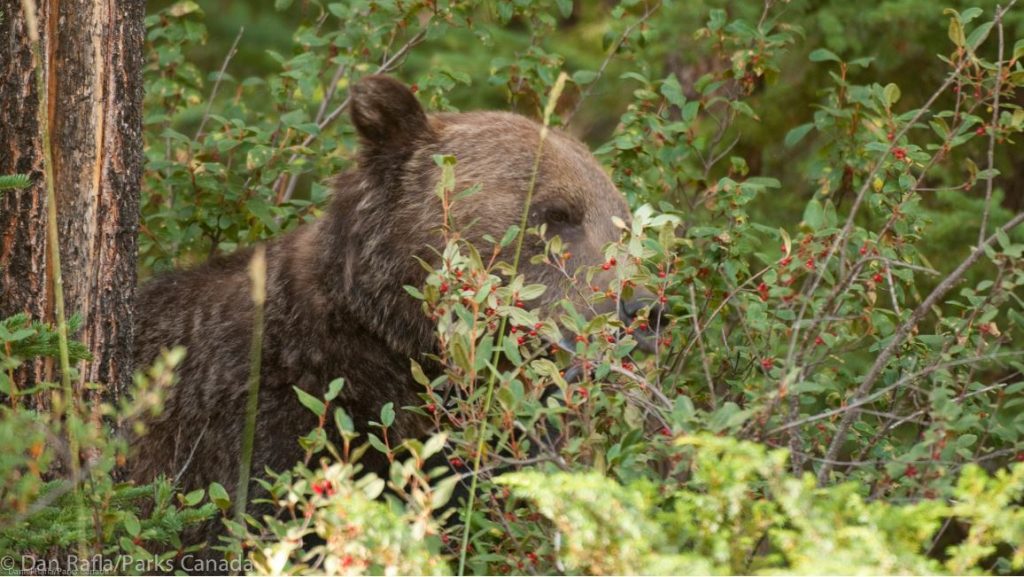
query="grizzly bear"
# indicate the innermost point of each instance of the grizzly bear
(335, 304)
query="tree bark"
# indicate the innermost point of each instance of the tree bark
(92, 56)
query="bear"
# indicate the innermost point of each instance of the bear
(335, 303)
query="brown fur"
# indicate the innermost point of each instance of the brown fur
(335, 306)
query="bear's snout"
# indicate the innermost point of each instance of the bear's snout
(630, 310)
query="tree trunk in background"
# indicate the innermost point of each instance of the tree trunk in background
(92, 55)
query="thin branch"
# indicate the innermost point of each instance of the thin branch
(192, 453)
(216, 84)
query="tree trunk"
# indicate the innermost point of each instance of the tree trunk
(92, 55)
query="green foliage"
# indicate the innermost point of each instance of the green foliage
(14, 181)
(739, 512)
(22, 338)
(46, 510)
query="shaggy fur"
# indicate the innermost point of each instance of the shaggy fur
(335, 303)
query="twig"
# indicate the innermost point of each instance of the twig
(195, 447)
(897, 340)
(216, 83)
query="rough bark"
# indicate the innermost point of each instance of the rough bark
(92, 54)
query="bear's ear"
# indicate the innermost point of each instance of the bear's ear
(386, 114)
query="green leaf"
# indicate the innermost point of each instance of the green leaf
(343, 421)
(956, 32)
(673, 91)
(414, 292)
(583, 77)
(310, 402)
(418, 375)
(979, 35)
(193, 498)
(282, 4)
(823, 54)
(131, 524)
(814, 214)
(510, 235)
(219, 496)
(797, 134)
(184, 8)
(387, 414)
(334, 388)
(892, 94)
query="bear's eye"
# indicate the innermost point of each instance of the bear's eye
(555, 216)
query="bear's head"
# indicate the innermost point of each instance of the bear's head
(387, 211)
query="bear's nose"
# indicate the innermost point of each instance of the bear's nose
(657, 320)
(629, 310)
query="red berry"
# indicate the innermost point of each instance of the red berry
(899, 153)
(533, 333)
(532, 557)
(810, 263)
(581, 339)
(323, 488)
(767, 363)
(610, 339)
(877, 277)
(864, 250)
(431, 408)
(521, 341)
(519, 303)
(456, 462)
(606, 266)
(513, 329)
(911, 471)
(786, 260)
(444, 287)
(661, 274)
(890, 136)
(981, 131)
(662, 299)
(819, 341)
(611, 261)
(414, 88)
